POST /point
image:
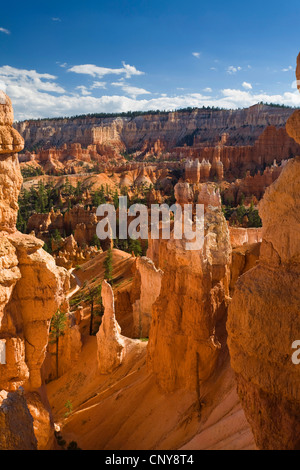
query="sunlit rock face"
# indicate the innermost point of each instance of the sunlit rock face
(264, 320)
(31, 286)
(150, 285)
(188, 318)
(111, 344)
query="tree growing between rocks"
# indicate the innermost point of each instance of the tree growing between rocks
(57, 328)
(94, 297)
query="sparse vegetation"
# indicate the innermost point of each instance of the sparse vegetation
(57, 328)
(69, 407)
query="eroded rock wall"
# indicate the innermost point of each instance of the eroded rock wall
(187, 331)
(31, 290)
(264, 320)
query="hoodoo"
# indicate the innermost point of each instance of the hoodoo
(32, 288)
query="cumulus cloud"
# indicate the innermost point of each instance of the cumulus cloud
(29, 79)
(98, 85)
(37, 95)
(207, 90)
(131, 90)
(4, 30)
(232, 69)
(196, 54)
(84, 90)
(96, 71)
(247, 86)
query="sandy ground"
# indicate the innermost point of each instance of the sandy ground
(126, 410)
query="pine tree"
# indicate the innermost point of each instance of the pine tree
(93, 297)
(57, 328)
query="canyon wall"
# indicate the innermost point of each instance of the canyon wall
(173, 129)
(264, 321)
(31, 290)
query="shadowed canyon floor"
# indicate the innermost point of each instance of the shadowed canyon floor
(127, 410)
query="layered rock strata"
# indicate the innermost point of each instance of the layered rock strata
(31, 289)
(188, 318)
(264, 321)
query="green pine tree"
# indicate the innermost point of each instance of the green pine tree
(57, 328)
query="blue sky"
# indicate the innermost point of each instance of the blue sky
(66, 58)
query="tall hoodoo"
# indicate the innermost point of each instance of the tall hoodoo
(188, 318)
(111, 344)
(264, 317)
(10, 176)
(31, 286)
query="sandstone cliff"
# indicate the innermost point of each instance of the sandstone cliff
(264, 316)
(173, 129)
(16, 423)
(264, 321)
(31, 287)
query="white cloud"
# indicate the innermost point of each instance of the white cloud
(56, 19)
(296, 84)
(29, 79)
(2, 86)
(288, 69)
(95, 71)
(37, 95)
(4, 30)
(196, 54)
(84, 90)
(214, 69)
(98, 85)
(207, 90)
(247, 86)
(131, 90)
(231, 69)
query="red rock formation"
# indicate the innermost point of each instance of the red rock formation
(16, 422)
(149, 285)
(189, 314)
(264, 321)
(111, 344)
(172, 128)
(240, 236)
(31, 287)
(243, 258)
(272, 144)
